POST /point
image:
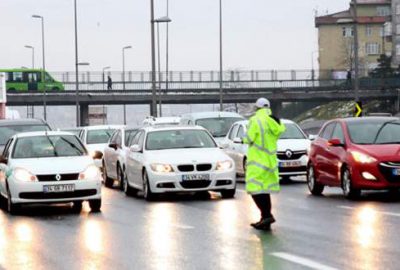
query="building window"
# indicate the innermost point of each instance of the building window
(398, 49)
(368, 30)
(398, 9)
(348, 31)
(383, 11)
(372, 48)
(398, 28)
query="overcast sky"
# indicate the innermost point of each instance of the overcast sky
(258, 34)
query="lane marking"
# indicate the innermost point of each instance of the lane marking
(302, 261)
(182, 226)
(392, 214)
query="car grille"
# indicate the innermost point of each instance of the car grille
(386, 168)
(186, 168)
(53, 177)
(59, 195)
(292, 169)
(195, 184)
(295, 155)
(203, 167)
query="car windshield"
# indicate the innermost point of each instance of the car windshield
(175, 139)
(292, 132)
(7, 132)
(219, 126)
(129, 134)
(99, 136)
(375, 132)
(48, 146)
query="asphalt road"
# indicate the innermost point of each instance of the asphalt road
(200, 232)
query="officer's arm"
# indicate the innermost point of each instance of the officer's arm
(252, 133)
(276, 128)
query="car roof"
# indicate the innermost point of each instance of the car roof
(104, 127)
(199, 115)
(172, 127)
(21, 122)
(42, 133)
(366, 119)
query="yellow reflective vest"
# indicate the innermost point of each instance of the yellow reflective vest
(262, 172)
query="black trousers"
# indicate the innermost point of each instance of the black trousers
(263, 202)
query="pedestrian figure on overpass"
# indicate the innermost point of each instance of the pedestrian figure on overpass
(262, 173)
(348, 78)
(109, 83)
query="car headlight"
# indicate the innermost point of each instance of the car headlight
(224, 165)
(362, 158)
(161, 168)
(24, 175)
(90, 173)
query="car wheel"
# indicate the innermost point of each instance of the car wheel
(95, 205)
(314, 187)
(228, 193)
(129, 191)
(147, 193)
(12, 208)
(348, 190)
(285, 179)
(120, 177)
(108, 182)
(77, 207)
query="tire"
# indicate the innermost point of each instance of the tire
(285, 179)
(313, 186)
(228, 193)
(95, 205)
(108, 182)
(347, 186)
(12, 208)
(148, 195)
(120, 177)
(128, 190)
(77, 207)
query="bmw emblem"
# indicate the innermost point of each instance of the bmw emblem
(288, 153)
(58, 177)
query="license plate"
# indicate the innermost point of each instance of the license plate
(59, 188)
(396, 172)
(194, 177)
(286, 164)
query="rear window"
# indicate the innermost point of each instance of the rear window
(99, 136)
(8, 131)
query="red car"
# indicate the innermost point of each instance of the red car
(356, 154)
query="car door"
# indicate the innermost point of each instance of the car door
(134, 163)
(241, 149)
(229, 149)
(336, 156)
(6, 155)
(321, 161)
(109, 153)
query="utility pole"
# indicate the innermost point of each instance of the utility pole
(356, 62)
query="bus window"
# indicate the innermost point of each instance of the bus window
(17, 76)
(48, 78)
(33, 77)
(9, 77)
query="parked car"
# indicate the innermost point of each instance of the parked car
(49, 167)
(217, 123)
(178, 159)
(9, 128)
(76, 131)
(292, 149)
(96, 138)
(161, 121)
(114, 159)
(356, 154)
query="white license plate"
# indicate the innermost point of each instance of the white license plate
(396, 172)
(287, 164)
(59, 188)
(194, 177)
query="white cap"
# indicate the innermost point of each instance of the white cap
(262, 102)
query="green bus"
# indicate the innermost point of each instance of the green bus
(25, 79)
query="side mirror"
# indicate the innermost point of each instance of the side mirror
(3, 159)
(113, 145)
(312, 137)
(335, 142)
(238, 140)
(135, 148)
(97, 155)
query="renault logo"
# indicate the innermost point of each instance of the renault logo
(288, 153)
(58, 177)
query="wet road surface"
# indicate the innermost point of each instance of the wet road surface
(207, 232)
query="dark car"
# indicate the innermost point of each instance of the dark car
(356, 154)
(9, 128)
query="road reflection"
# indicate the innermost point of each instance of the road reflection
(93, 235)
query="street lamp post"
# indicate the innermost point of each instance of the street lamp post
(221, 105)
(78, 121)
(356, 60)
(123, 75)
(43, 68)
(33, 54)
(166, 53)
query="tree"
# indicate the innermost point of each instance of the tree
(384, 69)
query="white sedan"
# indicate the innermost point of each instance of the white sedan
(292, 148)
(178, 159)
(48, 167)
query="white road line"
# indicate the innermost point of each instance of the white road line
(392, 214)
(182, 226)
(302, 261)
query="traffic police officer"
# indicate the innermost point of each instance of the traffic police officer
(262, 174)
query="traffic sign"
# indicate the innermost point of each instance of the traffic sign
(358, 109)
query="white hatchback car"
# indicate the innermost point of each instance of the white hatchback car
(178, 159)
(49, 167)
(292, 149)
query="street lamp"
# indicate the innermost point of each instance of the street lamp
(166, 20)
(43, 68)
(221, 106)
(153, 63)
(123, 75)
(33, 54)
(78, 119)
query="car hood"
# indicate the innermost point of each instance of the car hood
(293, 145)
(381, 151)
(186, 156)
(96, 147)
(53, 165)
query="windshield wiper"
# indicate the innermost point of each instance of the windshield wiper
(72, 145)
(52, 145)
(381, 128)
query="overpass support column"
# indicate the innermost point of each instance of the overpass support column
(84, 114)
(276, 107)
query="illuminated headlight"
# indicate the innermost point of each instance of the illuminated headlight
(90, 173)
(224, 165)
(368, 176)
(24, 175)
(362, 158)
(161, 168)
